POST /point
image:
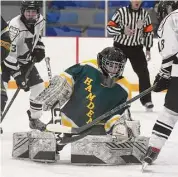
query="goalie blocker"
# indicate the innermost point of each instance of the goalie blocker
(93, 149)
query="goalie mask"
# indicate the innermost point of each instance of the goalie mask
(111, 61)
(30, 11)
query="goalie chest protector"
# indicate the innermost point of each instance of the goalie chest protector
(90, 98)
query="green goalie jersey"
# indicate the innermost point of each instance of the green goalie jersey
(90, 98)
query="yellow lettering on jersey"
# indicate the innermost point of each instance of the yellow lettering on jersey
(90, 120)
(91, 105)
(90, 96)
(88, 81)
(89, 88)
(90, 113)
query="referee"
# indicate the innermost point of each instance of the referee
(132, 29)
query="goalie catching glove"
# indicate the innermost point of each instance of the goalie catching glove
(125, 130)
(58, 91)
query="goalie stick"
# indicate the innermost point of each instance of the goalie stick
(85, 129)
(65, 140)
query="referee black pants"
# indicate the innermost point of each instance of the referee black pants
(139, 64)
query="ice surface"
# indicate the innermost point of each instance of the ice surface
(16, 121)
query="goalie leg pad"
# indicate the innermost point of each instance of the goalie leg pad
(35, 145)
(58, 90)
(105, 150)
(20, 145)
(42, 146)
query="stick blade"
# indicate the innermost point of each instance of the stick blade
(58, 128)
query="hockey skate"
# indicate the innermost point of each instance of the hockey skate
(149, 107)
(36, 123)
(150, 156)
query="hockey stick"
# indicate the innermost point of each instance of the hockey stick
(48, 66)
(47, 60)
(87, 127)
(17, 91)
(66, 140)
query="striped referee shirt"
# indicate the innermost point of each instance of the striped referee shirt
(139, 20)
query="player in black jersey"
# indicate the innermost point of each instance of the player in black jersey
(5, 48)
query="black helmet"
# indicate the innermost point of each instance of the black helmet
(166, 7)
(30, 5)
(111, 61)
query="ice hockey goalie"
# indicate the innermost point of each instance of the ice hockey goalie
(88, 90)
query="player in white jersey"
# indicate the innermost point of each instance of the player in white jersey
(167, 78)
(25, 33)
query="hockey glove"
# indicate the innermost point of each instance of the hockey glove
(162, 80)
(39, 52)
(21, 82)
(125, 131)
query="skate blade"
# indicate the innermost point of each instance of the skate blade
(58, 128)
(144, 166)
